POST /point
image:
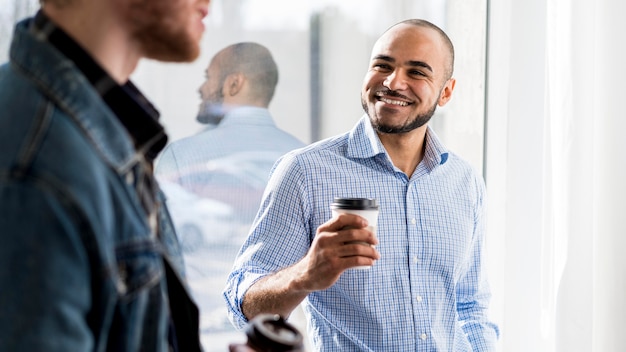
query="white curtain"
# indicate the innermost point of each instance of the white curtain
(556, 174)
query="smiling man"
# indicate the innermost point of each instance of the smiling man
(89, 261)
(425, 289)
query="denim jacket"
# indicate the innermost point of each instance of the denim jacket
(81, 269)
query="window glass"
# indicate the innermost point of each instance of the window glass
(322, 49)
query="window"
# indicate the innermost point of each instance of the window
(322, 49)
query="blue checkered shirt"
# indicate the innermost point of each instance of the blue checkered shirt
(428, 291)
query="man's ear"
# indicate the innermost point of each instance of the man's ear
(446, 92)
(233, 84)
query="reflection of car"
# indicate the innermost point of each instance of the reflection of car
(199, 221)
(213, 203)
(207, 230)
(238, 180)
(251, 168)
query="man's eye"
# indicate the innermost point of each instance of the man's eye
(382, 66)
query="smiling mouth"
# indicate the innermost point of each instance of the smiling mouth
(393, 102)
(385, 98)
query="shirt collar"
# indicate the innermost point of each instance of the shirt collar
(248, 115)
(435, 153)
(363, 142)
(132, 109)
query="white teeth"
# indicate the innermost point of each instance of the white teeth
(394, 102)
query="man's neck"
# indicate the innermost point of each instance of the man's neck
(406, 150)
(94, 26)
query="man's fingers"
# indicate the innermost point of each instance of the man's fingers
(358, 249)
(343, 221)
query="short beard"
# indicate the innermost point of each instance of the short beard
(160, 35)
(210, 114)
(417, 122)
(175, 50)
(212, 109)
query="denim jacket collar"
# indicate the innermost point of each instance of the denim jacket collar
(69, 87)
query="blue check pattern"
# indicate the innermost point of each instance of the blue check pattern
(428, 292)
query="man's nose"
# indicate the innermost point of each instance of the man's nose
(395, 81)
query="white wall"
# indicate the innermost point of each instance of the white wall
(555, 174)
(609, 270)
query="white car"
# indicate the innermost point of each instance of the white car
(199, 221)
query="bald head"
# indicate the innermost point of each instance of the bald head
(242, 74)
(449, 65)
(255, 62)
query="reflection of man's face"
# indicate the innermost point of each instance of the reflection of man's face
(211, 92)
(168, 30)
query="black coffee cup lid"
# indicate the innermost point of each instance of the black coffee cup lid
(270, 332)
(355, 203)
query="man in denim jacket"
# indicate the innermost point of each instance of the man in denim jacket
(89, 260)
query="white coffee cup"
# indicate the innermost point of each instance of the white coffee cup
(364, 207)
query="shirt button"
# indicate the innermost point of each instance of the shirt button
(415, 259)
(423, 336)
(419, 299)
(413, 221)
